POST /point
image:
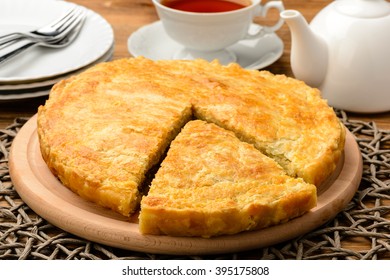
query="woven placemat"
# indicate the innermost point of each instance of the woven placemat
(365, 221)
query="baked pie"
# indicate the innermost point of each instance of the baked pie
(103, 131)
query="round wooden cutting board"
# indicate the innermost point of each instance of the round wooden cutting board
(38, 187)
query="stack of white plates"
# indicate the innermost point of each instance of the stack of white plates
(34, 72)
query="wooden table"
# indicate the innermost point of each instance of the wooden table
(126, 16)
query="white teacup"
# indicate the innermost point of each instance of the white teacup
(207, 35)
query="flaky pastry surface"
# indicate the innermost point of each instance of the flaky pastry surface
(103, 130)
(211, 183)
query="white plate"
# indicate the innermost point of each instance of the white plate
(41, 88)
(94, 40)
(14, 96)
(34, 85)
(151, 41)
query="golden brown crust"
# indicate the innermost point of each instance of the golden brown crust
(283, 117)
(101, 131)
(211, 183)
(100, 136)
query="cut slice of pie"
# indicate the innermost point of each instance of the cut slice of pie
(211, 183)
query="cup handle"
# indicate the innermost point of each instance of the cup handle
(263, 13)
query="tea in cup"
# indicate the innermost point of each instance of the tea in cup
(205, 28)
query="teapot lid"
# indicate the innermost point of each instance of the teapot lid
(363, 8)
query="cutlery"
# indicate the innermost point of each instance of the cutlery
(50, 31)
(60, 41)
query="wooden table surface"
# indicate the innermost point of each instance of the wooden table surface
(126, 16)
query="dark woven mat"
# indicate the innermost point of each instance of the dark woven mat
(365, 221)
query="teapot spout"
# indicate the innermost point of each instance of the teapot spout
(309, 52)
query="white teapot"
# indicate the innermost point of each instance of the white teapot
(345, 52)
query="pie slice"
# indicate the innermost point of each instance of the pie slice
(211, 183)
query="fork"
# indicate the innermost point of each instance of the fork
(48, 31)
(60, 41)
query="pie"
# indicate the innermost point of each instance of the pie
(103, 133)
(101, 142)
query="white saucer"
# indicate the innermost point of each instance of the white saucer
(152, 42)
(94, 41)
